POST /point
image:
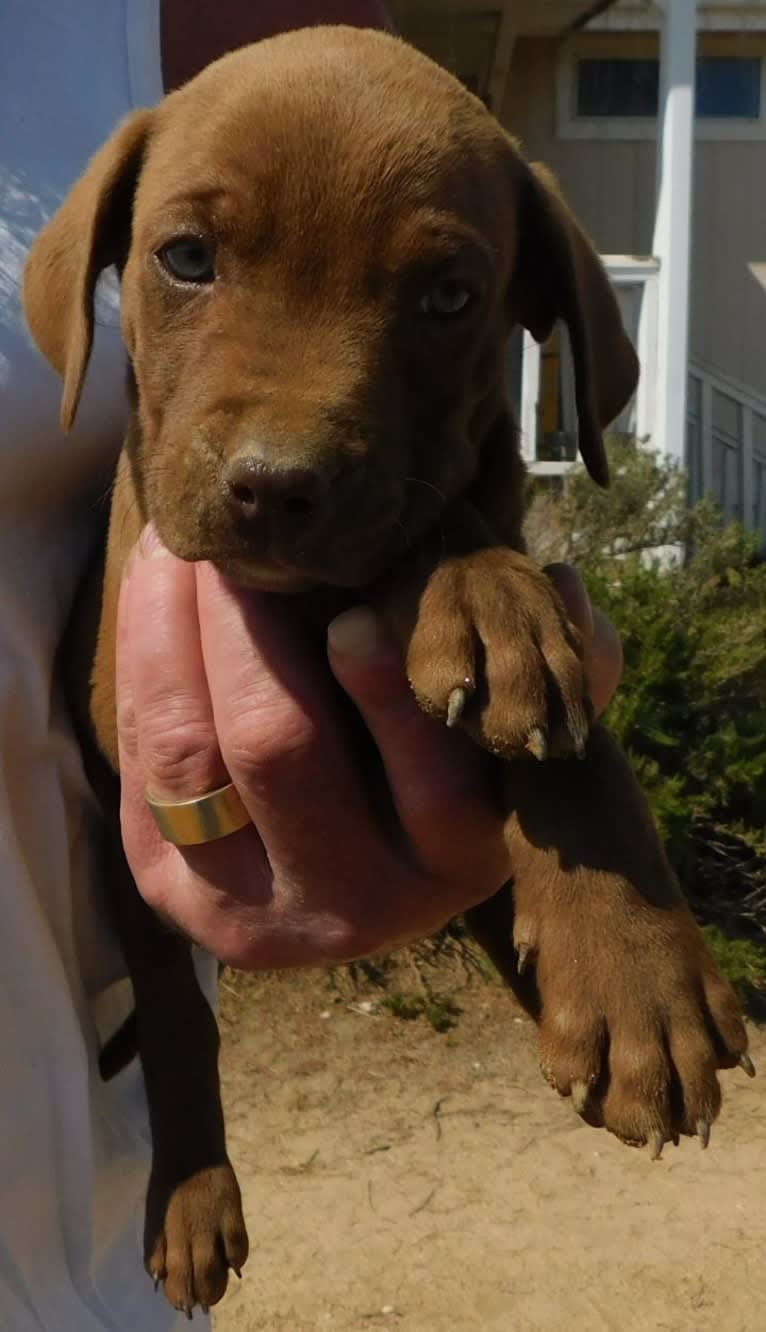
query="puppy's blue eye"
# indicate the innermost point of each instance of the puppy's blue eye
(188, 259)
(445, 300)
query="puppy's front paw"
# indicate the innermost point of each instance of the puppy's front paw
(635, 1022)
(194, 1233)
(493, 649)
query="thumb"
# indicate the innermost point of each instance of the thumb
(438, 777)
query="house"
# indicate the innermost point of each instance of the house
(653, 116)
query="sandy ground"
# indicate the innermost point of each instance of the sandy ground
(400, 1179)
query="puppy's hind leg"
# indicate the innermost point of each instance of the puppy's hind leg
(194, 1229)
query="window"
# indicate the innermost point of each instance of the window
(608, 87)
(727, 87)
(617, 87)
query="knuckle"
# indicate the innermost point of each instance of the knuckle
(268, 750)
(347, 941)
(180, 754)
(127, 726)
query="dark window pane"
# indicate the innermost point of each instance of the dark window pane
(617, 87)
(729, 88)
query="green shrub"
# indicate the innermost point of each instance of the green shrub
(743, 962)
(440, 1010)
(687, 593)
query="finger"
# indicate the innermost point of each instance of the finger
(603, 661)
(143, 845)
(437, 777)
(601, 642)
(280, 727)
(167, 744)
(162, 674)
(571, 589)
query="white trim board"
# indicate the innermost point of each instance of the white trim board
(730, 16)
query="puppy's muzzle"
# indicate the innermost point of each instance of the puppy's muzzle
(282, 500)
(313, 510)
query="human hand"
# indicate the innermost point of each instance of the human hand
(217, 684)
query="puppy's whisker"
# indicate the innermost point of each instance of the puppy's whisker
(418, 481)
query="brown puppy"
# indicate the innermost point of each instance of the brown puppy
(324, 241)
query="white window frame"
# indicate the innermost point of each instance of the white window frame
(712, 16)
(645, 45)
(624, 270)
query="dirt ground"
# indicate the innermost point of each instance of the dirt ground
(398, 1179)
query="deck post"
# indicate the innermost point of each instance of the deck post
(672, 232)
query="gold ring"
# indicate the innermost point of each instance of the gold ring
(205, 819)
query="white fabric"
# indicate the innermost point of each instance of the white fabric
(73, 1151)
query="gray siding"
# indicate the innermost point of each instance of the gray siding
(611, 186)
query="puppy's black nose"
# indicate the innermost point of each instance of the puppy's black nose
(257, 489)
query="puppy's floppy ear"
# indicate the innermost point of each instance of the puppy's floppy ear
(558, 275)
(88, 233)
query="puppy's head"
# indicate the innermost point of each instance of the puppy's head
(324, 241)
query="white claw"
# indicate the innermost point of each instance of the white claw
(580, 1092)
(747, 1064)
(703, 1132)
(537, 743)
(456, 705)
(523, 953)
(656, 1144)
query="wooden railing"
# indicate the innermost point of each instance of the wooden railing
(726, 445)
